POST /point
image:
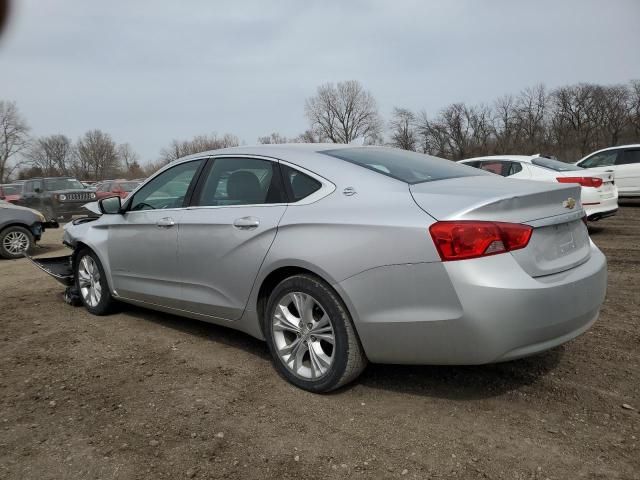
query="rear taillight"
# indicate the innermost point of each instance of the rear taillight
(584, 181)
(464, 239)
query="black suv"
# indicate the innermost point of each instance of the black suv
(58, 198)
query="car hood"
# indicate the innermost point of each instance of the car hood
(11, 206)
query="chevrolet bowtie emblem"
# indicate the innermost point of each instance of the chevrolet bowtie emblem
(569, 203)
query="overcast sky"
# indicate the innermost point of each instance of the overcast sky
(150, 71)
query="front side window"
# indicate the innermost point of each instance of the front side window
(240, 181)
(167, 190)
(404, 165)
(629, 157)
(602, 159)
(299, 184)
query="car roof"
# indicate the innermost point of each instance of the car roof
(306, 155)
(617, 147)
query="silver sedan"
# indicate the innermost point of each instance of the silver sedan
(338, 255)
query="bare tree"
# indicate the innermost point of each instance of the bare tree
(274, 138)
(344, 112)
(14, 138)
(199, 143)
(308, 136)
(53, 155)
(96, 156)
(403, 129)
(127, 155)
(634, 110)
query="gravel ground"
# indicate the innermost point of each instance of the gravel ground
(147, 395)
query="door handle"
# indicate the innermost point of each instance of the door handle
(166, 222)
(246, 223)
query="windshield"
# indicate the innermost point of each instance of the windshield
(556, 165)
(52, 184)
(11, 189)
(410, 167)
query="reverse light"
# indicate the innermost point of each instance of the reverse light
(464, 239)
(584, 181)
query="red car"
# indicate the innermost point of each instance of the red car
(112, 188)
(11, 193)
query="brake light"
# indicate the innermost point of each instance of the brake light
(464, 239)
(584, 181)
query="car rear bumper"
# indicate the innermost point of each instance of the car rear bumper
(603, 208)
(471, 312)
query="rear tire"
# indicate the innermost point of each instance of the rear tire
(15, 241)
(91, 284)
(310, 335)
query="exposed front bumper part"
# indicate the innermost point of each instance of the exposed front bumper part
(60, 268)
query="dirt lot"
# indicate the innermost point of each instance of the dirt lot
(147, 395)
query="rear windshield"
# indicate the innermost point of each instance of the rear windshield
(410, 167)
(556, 165)
(53, 184)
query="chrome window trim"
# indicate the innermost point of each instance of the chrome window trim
(325, 189)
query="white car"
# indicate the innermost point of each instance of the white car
(624, 161)
(599, 193)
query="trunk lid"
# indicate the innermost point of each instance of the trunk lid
(560, 239)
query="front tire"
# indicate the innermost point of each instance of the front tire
(15, 242)
(311, 337)
(91, 283)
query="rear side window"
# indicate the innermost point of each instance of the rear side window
(555, 165)
(628, 157)
(404, 165)
(298, 184)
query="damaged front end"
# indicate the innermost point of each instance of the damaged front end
(63, 268)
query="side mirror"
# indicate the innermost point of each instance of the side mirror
(110, 205)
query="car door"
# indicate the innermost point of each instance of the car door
(143, 241)
(627, 171)
(226, 233)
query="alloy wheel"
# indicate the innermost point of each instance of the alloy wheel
(89, 281)
(15, 242)
(303, 335)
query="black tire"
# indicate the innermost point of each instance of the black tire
(6, 235)
(348, 358)
(106, 303)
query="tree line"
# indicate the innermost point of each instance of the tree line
(567, 122)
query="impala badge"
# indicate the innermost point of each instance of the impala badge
(569, 203)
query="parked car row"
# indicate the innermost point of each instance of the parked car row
(603, 176)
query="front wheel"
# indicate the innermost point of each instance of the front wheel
(15, 242)
(91, 283)
(311, 336)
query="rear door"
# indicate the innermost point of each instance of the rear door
(226, 233)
